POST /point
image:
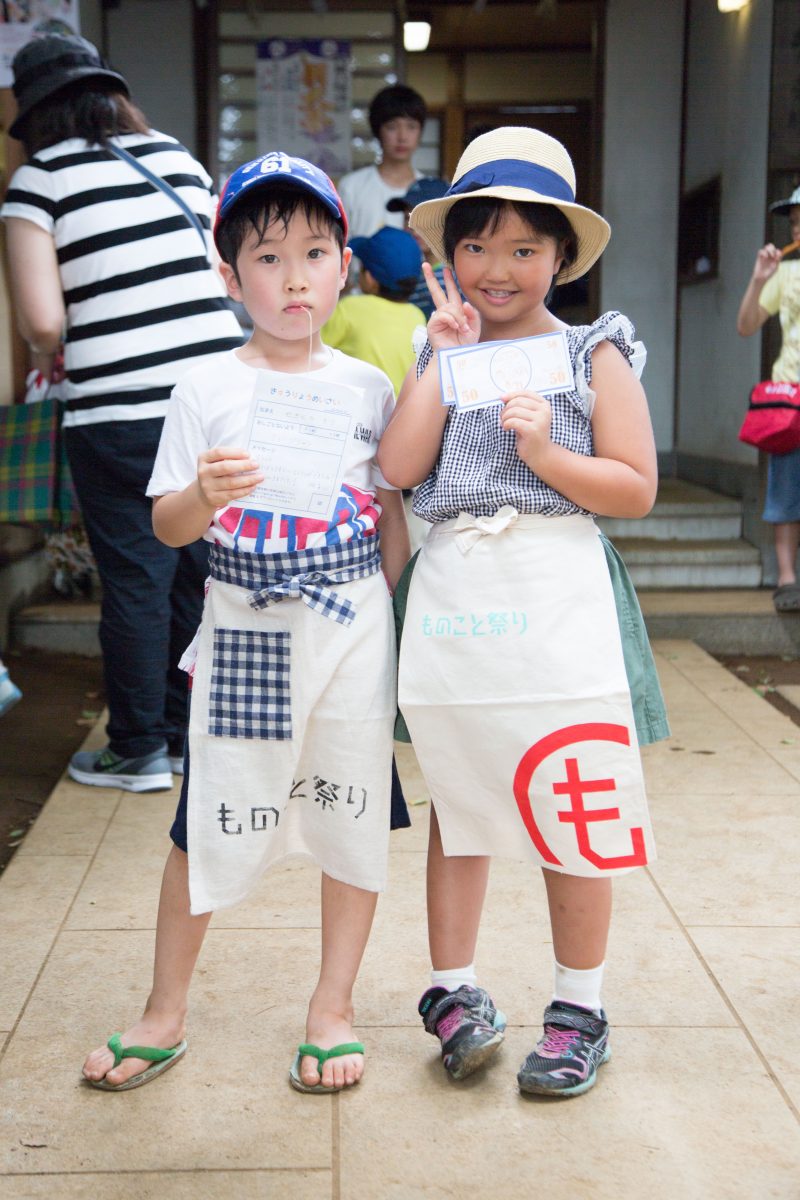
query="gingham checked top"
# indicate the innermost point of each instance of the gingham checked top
(478, 469)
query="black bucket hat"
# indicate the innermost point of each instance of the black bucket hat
(50, 62)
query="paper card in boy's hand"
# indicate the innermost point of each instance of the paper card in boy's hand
(474, 376)
(299, 432)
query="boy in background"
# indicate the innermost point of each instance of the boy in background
(396, 117)
(378, 325)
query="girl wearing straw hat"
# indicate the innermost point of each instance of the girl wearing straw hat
(513, 676)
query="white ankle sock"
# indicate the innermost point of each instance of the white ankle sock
(579, 987)
(454, 978)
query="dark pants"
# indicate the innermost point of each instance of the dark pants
(152, 594)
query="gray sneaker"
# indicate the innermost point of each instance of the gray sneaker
(104, 768)
(564, 1061)
(467, 1023)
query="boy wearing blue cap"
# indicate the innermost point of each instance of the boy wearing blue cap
(293, 675)
(378, 325)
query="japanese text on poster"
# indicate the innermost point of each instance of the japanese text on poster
(21, 20)
(304, 104)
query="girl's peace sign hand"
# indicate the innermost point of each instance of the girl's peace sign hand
(454, 322)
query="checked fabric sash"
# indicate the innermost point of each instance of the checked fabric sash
(307, 575)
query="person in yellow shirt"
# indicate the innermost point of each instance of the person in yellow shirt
(774, 290)
(378, 326)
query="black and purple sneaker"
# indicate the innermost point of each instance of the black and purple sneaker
(467, 1024)
(564, 1061)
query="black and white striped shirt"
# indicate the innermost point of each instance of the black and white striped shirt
(143, 305)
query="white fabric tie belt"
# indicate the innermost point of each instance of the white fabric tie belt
(468, 529)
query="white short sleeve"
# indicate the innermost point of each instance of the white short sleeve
(182, 439)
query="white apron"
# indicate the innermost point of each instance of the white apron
(290, 738)
(513, 686)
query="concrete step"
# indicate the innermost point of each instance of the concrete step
(65, 626)
(693, 563)
(684, 512)
(684, 527)
(740, 621)
(723, 622)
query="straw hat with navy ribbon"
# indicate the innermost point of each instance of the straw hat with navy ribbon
(516, 163)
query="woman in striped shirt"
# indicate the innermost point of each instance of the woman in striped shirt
(103, 258)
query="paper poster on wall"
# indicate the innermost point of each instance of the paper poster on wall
(304, 100)
(20, 20)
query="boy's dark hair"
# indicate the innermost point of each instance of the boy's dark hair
(396, 101)
(471, 218)
(264, 205)
(401, 293)
(91, 109)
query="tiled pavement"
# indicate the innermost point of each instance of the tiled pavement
(700, 1102)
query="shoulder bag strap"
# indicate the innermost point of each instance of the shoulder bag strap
(162, 186)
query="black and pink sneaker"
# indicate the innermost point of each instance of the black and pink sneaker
(564, 1061)
(467, 1024)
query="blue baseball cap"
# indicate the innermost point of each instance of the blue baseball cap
(427, 188)
(263, 171)
(391, 255)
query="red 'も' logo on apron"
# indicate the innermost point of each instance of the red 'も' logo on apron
(575, 789)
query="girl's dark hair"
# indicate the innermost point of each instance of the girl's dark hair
(261, 207)
(471, 218)
(397, 101)
(86, 109)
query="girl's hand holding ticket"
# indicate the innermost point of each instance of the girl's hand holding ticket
(226, 474)
(454, 322)
(529, 416)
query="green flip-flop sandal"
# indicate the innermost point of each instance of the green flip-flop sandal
(321, 1056)
(162, 1060)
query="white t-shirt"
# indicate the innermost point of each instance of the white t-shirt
(364, 196)
(212, 405)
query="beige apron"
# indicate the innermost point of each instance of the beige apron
(512, 683)
(290, 740)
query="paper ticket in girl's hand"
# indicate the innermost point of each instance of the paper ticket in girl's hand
(474, 376)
